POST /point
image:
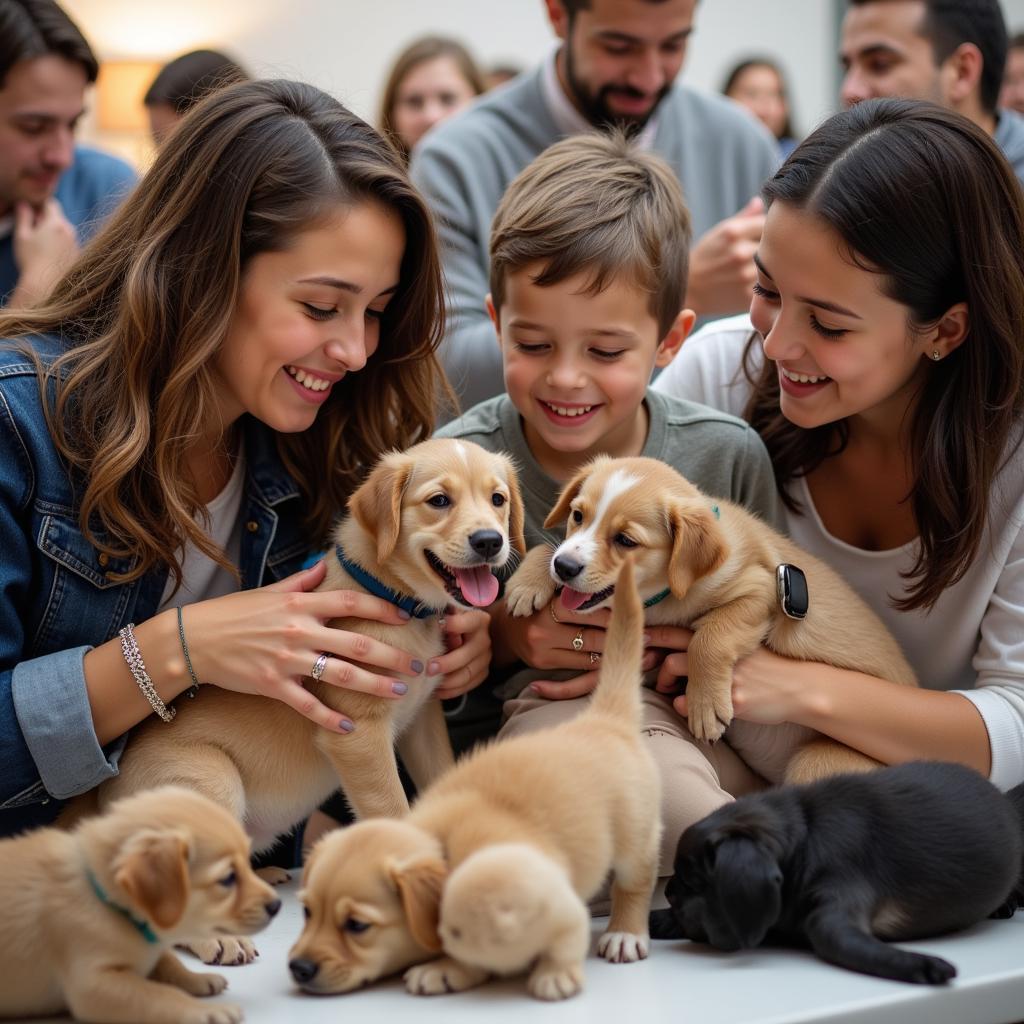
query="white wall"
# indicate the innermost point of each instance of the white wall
(346, 46)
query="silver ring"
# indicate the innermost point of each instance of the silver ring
(577, 640)
(318, 667)
(594, 657)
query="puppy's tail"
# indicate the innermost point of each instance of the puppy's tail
(619, 677)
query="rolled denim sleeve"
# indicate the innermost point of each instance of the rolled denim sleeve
(52, 708)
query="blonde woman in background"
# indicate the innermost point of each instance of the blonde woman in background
(431, 79)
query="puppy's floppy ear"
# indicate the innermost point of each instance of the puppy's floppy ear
(698, 545)
(152, 868)
(377, 504)
(746, 882)
(419, 881)
(558, 515)
(516, 514)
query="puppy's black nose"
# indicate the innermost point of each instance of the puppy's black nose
(486, 543)
(303, 970)
(272, 907)
(567, 568)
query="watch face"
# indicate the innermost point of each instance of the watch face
(792, 590)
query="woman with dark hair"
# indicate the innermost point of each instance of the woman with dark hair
(758, 85)
(183, 82)
(184, 418)
(886, 377)
(431, 79)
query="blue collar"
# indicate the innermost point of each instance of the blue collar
(142, 927)
(658, 598)
(408, 604)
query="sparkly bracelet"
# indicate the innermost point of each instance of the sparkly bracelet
(194, 688)
(132, 655)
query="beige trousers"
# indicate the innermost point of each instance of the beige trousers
(696, 778)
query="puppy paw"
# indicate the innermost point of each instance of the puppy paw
(202, 984)
(523, 598)
(273, 875)
(623, 947)
(552, 983)
(709, 713)
(227, 952)
(222, 1013)
(441, 976)
(930, 970)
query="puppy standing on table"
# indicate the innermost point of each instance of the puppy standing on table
(713, 567)
(516, 848)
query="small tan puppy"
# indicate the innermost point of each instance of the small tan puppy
(90, 916)
(711, 566)
(432, 523)
(528, 829)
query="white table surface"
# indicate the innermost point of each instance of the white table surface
(681, 983)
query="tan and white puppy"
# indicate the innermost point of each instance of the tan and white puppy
(90, 916)
(433, 522)
(709, 565)
(517, 836)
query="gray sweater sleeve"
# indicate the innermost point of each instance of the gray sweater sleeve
(470, 353)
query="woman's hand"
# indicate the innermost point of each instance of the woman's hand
(766, 687)
(467, 636)
(592, 629)
(265, 641)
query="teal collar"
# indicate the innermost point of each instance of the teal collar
(142, 927)
(658, 598)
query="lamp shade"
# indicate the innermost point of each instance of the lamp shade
(119, 91)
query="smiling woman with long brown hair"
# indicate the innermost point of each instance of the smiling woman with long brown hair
(183, 419)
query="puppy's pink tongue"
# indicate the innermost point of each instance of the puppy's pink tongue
(572, 599)
(477, 584)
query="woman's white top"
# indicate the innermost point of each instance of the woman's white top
(972, 640)
(202, 577)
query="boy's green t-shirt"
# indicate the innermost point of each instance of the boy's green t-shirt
(718, 453)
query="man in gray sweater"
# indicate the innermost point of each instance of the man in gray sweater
(617, 64)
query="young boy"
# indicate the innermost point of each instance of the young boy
(589, 251)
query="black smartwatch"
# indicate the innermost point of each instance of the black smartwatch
(791, 585)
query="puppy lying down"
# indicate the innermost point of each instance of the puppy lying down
(90, 916)
(709, 565)
(518, 835)
(908, 852)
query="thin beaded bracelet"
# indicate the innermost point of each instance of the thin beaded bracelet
(132, 655)
(194, 688)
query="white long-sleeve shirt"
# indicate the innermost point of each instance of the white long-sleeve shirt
(972, 640)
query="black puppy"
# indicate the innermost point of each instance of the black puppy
(907, 852)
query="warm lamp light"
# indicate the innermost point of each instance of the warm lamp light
(119, 91)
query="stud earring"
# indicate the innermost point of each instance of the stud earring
(936, 354)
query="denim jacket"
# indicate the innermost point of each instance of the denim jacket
(57, 600)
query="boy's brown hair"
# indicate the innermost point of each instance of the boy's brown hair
(595, 203)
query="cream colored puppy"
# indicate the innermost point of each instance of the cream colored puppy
(90, 916)
(528, 829)
(711, 566)
(430, 523)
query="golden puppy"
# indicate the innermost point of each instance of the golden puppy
(711, 566)
(432, 522)
(529, 829)
(90, 916)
